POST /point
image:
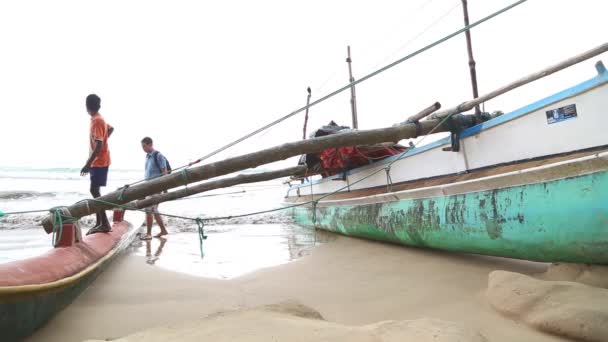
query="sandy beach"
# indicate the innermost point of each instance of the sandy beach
(347, 281)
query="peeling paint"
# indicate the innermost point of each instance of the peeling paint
(535, 221)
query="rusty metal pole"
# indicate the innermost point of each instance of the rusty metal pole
(306, 115)
(471, 60)
(353, 95)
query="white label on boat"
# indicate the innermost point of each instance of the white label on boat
(561, 114)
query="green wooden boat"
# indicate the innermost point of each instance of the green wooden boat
(531, 184)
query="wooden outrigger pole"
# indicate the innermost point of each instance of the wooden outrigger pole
(251, 160)
(218, 184)
(468, 105)
(353, 94)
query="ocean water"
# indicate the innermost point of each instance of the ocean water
(270, 238)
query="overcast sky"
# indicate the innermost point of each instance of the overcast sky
(196, 75)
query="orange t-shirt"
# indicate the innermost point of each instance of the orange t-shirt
(99, 132)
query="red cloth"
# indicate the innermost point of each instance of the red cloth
(337, 160)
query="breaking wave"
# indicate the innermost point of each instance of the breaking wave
(16, 195)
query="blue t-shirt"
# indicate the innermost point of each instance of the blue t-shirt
(153, 171)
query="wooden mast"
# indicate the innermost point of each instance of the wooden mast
(471, 60)
(353, 95)
(306, 116)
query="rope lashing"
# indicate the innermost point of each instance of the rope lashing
(347, 181)
(389, 180)
(59, 218)
(201, 234)
(57, 226)
(314, 213)
(418, 128)
(184, 174)
(121, 195)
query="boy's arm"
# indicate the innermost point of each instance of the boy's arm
(85, 169)
(110, 130)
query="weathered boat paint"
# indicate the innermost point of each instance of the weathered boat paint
(561, 220)
(35, 289)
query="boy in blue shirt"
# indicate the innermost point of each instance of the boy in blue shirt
(156, 166)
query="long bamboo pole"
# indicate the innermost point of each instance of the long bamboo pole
(424, 113)
(218, 184)
(306, 116)
(468, 105)
(473, 72)
(246, 161)
(353, 93)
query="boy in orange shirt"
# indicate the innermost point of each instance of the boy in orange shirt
(99, 159)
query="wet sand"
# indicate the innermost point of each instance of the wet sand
(348, 281)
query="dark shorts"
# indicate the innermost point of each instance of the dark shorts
(99, 176)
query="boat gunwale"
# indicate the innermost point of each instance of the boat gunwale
(369, 199)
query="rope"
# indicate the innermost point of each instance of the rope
(347, 181)
(57, 226)
(366, 77)
(425, 30)
(201, 234)
(58, 221)
(389, 181)
(122, 192)
(184, 174)
(314, 213)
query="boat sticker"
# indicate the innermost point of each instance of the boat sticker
(561, 114)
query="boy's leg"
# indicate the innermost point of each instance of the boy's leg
(149, 221)
(161, 224)
(99, 177)
(95, 193)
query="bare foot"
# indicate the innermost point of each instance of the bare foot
(161, 234)
(99, 229)
(146, 237)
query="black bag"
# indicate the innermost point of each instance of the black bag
(155, 156)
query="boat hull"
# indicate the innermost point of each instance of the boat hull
(561, 220)
(32, 291)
